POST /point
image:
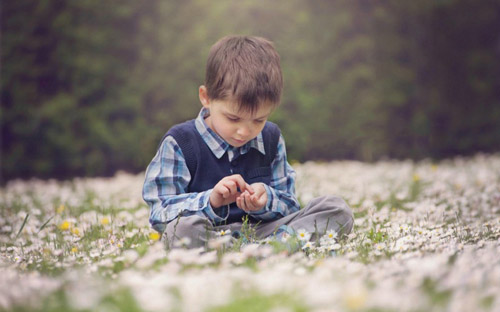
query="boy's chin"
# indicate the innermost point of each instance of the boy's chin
(236, 143)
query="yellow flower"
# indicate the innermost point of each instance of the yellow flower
(434, 167)
(60, 209)
(416, 177)
(65, 226)
(105, 221)
(154, 236)
(74, 249)
(76, 231)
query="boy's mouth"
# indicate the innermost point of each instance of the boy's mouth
(240, 142)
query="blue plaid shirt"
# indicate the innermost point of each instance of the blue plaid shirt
(167, 179)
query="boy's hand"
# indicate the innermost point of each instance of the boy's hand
(253, 202)
(226, 191)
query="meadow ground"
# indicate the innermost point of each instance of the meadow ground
(426, 238)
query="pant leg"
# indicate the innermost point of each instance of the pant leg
(320, 214)
(198, 229)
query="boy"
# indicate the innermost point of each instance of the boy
(229, 162)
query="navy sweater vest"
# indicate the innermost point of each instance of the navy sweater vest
(207, 170)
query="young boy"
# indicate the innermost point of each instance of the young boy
(230, 162)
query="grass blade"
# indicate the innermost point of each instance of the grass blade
(45, 224)
(24, 223)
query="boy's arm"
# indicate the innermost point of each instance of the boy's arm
(165, 189)
(281, 199)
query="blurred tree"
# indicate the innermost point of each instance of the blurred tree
(90, 87)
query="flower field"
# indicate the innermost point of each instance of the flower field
(426, 238)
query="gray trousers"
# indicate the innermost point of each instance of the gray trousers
(318, 216)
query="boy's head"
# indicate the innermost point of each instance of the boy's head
(243, 85)
(244, 70)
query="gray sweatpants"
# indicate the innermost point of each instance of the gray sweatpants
(320, 215)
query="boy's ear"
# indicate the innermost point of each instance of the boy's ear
(203, 94)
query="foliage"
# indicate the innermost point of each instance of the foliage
(90, 87)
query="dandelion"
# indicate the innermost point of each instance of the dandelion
(74, 250)
(303, 235)
(60, 209)
(65, 226)
(75, 231)
(154, 236)
(104, 221)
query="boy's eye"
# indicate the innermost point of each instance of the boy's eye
(232, 118)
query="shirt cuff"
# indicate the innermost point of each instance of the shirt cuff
(216, 217)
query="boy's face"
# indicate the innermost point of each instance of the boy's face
(234, 126)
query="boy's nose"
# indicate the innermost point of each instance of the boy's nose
(243, 131)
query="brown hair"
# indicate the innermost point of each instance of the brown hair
(244, 69)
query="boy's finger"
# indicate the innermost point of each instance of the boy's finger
(240, 203)
(248, 202)
(224, 191)
(232, 187)
(252, 203)
(250, 188)
(241, 183)
(259, 200)
(260, 191)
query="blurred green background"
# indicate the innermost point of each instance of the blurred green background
(90, 87)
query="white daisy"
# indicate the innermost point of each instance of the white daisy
(224, 232)
(308, 246)
(331, 234)
(303, 235)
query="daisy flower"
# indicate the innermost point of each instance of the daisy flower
(331, 234)
(308, 246)
(224, 232)
(303, 235)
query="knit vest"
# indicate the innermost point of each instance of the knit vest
(207, 170)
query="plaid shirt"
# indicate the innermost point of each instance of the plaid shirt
(167, 179)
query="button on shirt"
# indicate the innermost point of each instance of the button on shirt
(167, 179)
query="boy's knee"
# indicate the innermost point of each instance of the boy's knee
(337, 210)
(195, 228)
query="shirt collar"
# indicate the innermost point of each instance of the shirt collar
(217, 144)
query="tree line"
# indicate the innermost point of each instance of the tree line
(89, 87)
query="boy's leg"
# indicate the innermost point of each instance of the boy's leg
(320, 214)
(197, 229)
